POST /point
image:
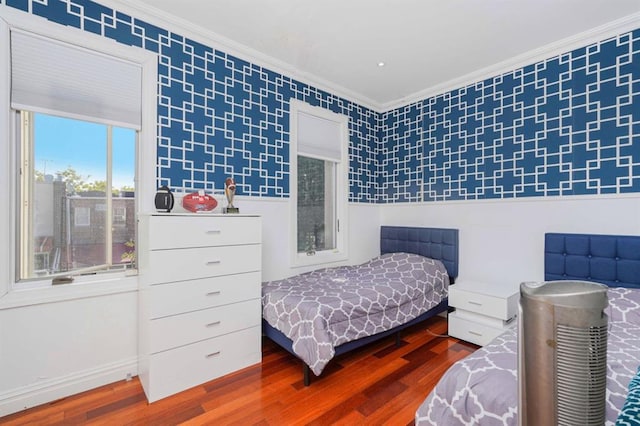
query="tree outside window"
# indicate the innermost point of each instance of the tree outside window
(70, 213)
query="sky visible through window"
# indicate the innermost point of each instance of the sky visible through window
(61, 143)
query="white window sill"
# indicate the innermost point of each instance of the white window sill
(17, 298)
(320, 258)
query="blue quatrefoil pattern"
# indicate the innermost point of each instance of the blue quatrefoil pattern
(569, 125)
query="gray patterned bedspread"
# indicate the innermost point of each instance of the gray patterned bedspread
(322, 309)
(482, 388)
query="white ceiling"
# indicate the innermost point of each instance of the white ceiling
(425, 44)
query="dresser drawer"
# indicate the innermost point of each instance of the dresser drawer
(186, 296)
(182, 368)
(471, 331)
(193, 263)
(166, 231)
(179, 330)
(496, 306)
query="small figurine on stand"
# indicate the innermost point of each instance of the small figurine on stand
(230, 192)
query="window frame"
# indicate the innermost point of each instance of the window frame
(340, 253)
(81, 217)
(11, 292)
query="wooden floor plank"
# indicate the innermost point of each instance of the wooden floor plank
(382, 383)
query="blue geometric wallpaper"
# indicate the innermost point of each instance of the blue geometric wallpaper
(218, 115)
(569, 125)
(400, 154)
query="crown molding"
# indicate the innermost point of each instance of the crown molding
(174, 24)
(603, 32)
(209, 38)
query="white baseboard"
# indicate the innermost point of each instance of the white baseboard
(50, 390)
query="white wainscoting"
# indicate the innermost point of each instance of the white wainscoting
(364, 235)
(502, 241)
(49, 350)
(52, 350)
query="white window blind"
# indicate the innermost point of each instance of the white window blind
(59, 78)
(318, 137)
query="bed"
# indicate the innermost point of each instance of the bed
(321, 314)
(482, 388)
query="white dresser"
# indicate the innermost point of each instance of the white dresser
(199, 299)
(483, 311)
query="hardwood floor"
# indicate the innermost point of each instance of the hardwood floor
(379, 384)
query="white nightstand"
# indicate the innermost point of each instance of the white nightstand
(483, 310)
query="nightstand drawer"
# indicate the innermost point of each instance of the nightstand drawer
(495, 306)
(473, 332)
(179, 330)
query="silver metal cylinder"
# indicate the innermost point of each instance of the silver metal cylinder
(562, 353)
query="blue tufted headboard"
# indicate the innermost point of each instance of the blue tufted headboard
(435, 243)
(613, 260)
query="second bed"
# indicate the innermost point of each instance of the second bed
(483, 387)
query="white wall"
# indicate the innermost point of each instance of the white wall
(502, 241)
(364, 223)
(50, 350)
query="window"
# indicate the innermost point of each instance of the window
(55, 224)
(319, 184)
(81, 217)
(72, 172)
(119, 215)
(316, 205)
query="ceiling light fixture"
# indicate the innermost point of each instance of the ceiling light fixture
(381, 64)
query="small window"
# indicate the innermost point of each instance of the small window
(316, 205)
(82, 216)
(319, 169)
(120, 216)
